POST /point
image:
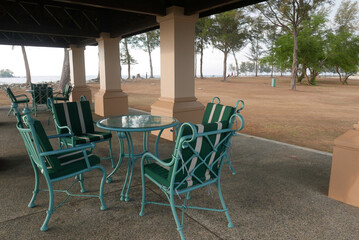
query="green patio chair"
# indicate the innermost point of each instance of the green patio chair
(57, 165)
(40, 93)
(75, 119)
(64, 95)
(196, 162)
(22, 98)
(215, 112)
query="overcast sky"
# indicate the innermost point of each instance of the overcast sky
(48, 61)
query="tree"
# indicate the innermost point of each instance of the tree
(226, 34)
(148, 42)
(312, 43)
(289, 15)
(343, 46)
(202, 39)
(347, 16)
(271, 36)
(126, 57)
(243, 68)
(343, 54)
(65, 73)
(6, 73)
(257, 27)
(27, 68)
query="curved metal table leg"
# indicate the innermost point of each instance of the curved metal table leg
(124, 192)
(121, 156)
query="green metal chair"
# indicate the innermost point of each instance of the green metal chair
(75, 119)
(57, 165)
(64, 95)
(196, 162)
(215, 112)
(22, 98)
(40, 93)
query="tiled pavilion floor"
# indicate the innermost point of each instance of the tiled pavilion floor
(280, 192)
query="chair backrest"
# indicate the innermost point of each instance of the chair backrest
(11, 94)
(215, 112)
(67, 91)
(199, 152)
(36, 142)
(41, 92)
(76, 115)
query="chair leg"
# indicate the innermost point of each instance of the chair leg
(173, 208)
(143, 202)
(36, 188)
(111, 155)
(49, 211)
(230, 224)
(10, 111)
(103, 205)
(80, 178)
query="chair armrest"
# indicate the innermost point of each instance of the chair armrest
(22, 95)
(56, 93)
(152, 156)
(68, 150)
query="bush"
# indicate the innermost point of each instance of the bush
(6, 73)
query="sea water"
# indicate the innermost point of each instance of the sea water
(36, 79)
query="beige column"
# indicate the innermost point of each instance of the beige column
(77, 74)
(110, 100)
(344, 177)
(177, 33)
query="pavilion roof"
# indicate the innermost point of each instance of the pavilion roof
(59, 23)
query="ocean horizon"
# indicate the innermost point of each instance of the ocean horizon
(36, 79)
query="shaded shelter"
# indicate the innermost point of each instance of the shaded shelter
(75, 24)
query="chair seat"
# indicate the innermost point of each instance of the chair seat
(158, 173)
(72, 163)
(89, 137)
(61, 98)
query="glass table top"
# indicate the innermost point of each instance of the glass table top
(136, 122)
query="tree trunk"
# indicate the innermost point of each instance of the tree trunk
(201, 63)
(295, 61)
(225, 66)
(65, 74)
(27, 68)
(340, 76)
(235, 60)
(271, 74)
(150, 57)
(256, 65)
(128, 60)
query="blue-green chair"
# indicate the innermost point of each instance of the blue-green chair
(215, 112)
(57, 165)
(22, 98)
(196, 162)
(40, 93)
(75, 119)
(64, 95)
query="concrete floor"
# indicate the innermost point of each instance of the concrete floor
(279, 192)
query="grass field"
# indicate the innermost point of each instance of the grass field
(312, 116)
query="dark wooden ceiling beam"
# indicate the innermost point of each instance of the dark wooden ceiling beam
(229, 6)
(135, 27)
(192, 7)
(147, 7)
(32, 29)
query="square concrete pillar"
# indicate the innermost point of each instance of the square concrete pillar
(177, 35)
(110, 100)
(78, 74)
(344, 177)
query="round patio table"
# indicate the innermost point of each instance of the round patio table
(124, 126)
